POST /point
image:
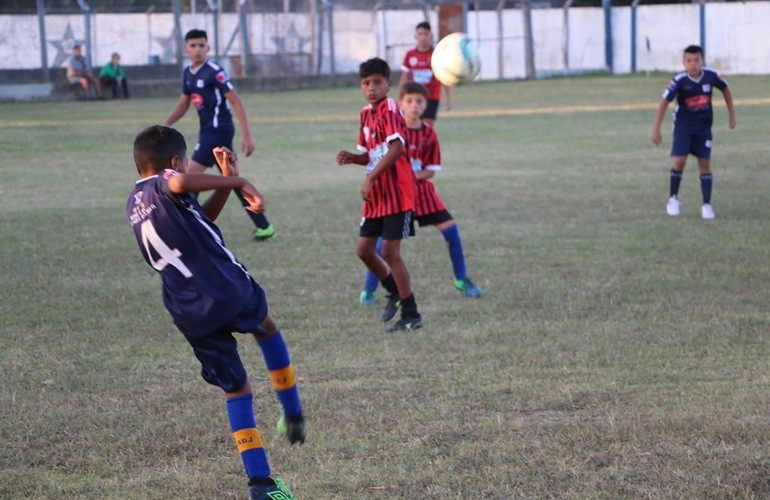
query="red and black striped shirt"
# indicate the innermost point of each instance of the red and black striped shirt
(394, 190)
(422, 148)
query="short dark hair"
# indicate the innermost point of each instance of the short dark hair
(423, 25)
(155, 146)
(374, 66)
(693, 49)
(413, 88)
(196, 34)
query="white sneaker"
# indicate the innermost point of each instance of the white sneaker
(672, 207)
(707, 211)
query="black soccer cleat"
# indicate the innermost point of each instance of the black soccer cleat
(293, 428)
(391, 308)
(406, 323)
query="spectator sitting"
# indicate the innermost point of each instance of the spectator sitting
(79, 72)
(112, 75)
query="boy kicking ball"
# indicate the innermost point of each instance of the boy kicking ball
(208, 293)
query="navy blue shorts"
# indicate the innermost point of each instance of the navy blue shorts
(208, 140)
(698, 145)
(218, 352)
(398, 226)
(431, 110)
(434, 218)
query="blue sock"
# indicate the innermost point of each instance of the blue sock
(371, 281)
(282, 374)
(455, 243)
(675, 181)
(240, 412)
(705, 186)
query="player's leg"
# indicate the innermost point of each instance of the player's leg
(430, 114)
(679, 151)
(221, 366)
(451, 233)
(702, 150)
(86, 88)
(112, 84)
(369, 294)
(396, 228)
(124, 85)
(370, 232)
(203, 155)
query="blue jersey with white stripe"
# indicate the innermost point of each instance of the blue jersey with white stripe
(207, 87)
(694, 113)
(204, 286)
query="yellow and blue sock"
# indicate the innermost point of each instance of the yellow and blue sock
(282, 374)
(455, 243)
(240, 412)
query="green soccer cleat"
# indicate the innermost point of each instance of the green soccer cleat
(261, 234)
(277, 491)
(466, 286)
(368, 297)
(406, 324)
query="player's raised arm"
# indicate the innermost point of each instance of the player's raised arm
(346, 158)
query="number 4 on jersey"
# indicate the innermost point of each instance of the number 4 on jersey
(168, 256)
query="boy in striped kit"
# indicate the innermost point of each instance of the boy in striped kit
(388, 192)
(424, 155)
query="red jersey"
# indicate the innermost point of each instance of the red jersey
(418, 63)
(394, 190)
(424, 153)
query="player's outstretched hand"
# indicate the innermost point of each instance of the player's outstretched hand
(344, 157)
(656, 137)
(248, 147)
(252, 195)
(227, 161)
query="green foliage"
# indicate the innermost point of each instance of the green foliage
(617, 353)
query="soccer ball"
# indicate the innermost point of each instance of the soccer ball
(456, 60)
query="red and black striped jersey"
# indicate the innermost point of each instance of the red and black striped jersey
(422, 148)
(394, 190)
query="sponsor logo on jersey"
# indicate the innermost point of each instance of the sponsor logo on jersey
(221, 77)
(698, 102)
(167, 174)
(197, 100)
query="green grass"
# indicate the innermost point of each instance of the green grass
(617, 353)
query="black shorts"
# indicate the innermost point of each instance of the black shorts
(208, 140)
(431, 110)
(218, 353)
(698, 145)
(391, 227)
(434, 218)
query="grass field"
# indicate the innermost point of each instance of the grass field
(617, 353)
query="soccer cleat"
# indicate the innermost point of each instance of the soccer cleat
(276, 491)
(390, 309)
(672, 207)
(406, 323)
(263, 233)
(293, 428)
(368, 297)
(466, 286)
(707, 211)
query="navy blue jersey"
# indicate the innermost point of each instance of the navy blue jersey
(207, 87)
(694, 112)
(204, 286)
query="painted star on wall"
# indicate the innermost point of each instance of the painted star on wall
(64, 46)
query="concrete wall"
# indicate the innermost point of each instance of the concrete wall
(564, 42)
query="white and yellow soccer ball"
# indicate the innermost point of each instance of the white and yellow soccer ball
(456, 59)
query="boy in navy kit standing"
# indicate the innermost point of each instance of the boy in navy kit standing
(693, 117)
(388, 193)
(208, 87)
(208, 293)
(424, 153)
